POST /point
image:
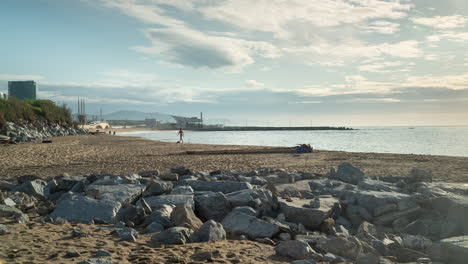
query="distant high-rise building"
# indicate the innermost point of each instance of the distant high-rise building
(22, 89)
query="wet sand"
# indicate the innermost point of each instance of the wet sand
(82, 155)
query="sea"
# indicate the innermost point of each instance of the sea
(446, 141)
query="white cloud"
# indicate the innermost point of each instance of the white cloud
(449, 35)
(382, 27)
(255, 84)
(386, 66)
(442, 22)
(184, 46)
(20, 77)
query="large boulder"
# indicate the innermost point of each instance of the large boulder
(259, 199)
(347, 173)
(170, 199)
(296, 189)
(454, 210)
(346, 247)
(216, 186)
(210, 231)
(455, 250)
(371, 200)
(183, 215)
(237, 223)
(123, 193)
(299, 211)
(83, 209)
(295, 249)
(156, 188)
(161, 216)
(213, 206)
(37, 188)
(174, 236)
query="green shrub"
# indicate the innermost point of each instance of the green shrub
(14, 110)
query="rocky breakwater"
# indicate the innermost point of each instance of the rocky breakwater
(343, 217)
(37, 130)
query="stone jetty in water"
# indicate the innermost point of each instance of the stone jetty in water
(341, 217)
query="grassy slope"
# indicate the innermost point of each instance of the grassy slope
(14, 110)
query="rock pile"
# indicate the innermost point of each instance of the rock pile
(37, 130)
(343, 217)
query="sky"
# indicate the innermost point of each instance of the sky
(262, 62)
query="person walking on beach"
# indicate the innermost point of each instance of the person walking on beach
(181, 135)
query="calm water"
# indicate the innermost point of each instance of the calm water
(449, 141)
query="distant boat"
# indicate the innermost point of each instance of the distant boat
(410, 127)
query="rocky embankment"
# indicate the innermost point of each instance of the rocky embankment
(36, 130)
(344, 217)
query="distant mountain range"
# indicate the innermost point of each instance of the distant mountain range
(137, 115)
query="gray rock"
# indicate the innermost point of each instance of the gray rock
(183, 190)
(36, 188)
(149, 173)
(83, 209)
(389, 218)
(72, 254)
(385, 209)
(173, 236)
(368, 259)
(371, 200)
(237, 223)
(213, 206)
(157, 188)
(295, 249)
(123, 193)
(295, 211)
(162, 215)
(407, 255)
(170, 199)
(285, 236)
(9, 211)
(246, 210)
(347, 173)
(130, 212)
(416, 242)
(183, 215)
(217, 186)
(96, 261)
(210, 231)
(454, 250)
(374, 185)
(128, 234)
(418, 175)
(181, 171)
(454, 210)
(345, 247)
(255, 180)
(9, 202)
(103, 253)
(169, 176)
(296, 189)
(154, 227)
(4, 230)
(261, 200)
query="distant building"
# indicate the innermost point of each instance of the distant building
(3, 96)
(22, 90)
(188, 122)
(152, 123)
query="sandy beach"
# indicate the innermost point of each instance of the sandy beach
(82, 155)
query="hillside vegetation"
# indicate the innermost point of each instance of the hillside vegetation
(14, 110)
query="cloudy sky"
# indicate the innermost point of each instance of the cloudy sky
(325, 62)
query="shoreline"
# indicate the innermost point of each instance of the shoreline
(81, 155)
(276, 146)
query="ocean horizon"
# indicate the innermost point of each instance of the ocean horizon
(421, 140)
